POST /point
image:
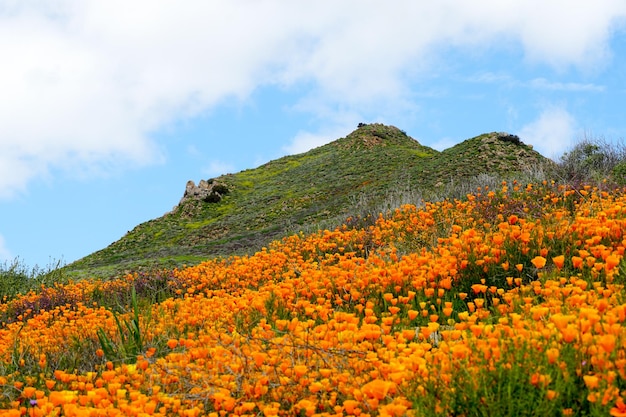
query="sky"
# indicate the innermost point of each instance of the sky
(109, 107)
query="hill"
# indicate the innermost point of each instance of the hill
(240, 213)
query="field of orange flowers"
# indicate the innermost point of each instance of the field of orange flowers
(510, 302)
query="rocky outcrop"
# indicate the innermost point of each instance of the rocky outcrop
(210, 191)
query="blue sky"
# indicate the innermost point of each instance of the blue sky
(109, 107)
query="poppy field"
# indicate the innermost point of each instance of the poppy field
(508, 302)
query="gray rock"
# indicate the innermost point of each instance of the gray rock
(210, 191)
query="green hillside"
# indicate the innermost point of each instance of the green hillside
(240, 213)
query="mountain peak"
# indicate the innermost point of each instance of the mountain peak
(372, 136)
(503, 137)
(368, 135)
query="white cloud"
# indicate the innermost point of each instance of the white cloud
(216, 168)
(5, 253)
(85, 82)
(543, 84)
(552, 133)
(443, 144)
(535, 83)
(491, 78)
(305, 141)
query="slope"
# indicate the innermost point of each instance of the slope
(239, 213)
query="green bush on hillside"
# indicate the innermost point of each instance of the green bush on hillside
(619, 173)
(593, 160)
(17, 278)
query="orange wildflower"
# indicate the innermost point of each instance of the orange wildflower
(270, 411)
(394, 310)
(377, 389)
(28, 392)
(538, 261)
(607, 342)
(108, 375)
(300, 370)
(619, 410)
(569, 333)
(559, 261)
(276, 324)
(577, 262)
(350, 406)
(62, 397)
(611, 262)
(307, 406)
(393, 410)
(591, 381)
(553, 355)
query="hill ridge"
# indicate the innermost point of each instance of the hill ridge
(241, 212)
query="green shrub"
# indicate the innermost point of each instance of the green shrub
(619, 173)
(130, 342)
(593, 160)
(14, 278)
(18, 278)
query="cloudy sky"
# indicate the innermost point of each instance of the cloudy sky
(109, 107)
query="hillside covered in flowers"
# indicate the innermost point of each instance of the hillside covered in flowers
(508, 302)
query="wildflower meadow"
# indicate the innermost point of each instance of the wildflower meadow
(509, 302)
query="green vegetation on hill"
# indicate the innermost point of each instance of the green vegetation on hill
(324, 186)
(489, 153)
